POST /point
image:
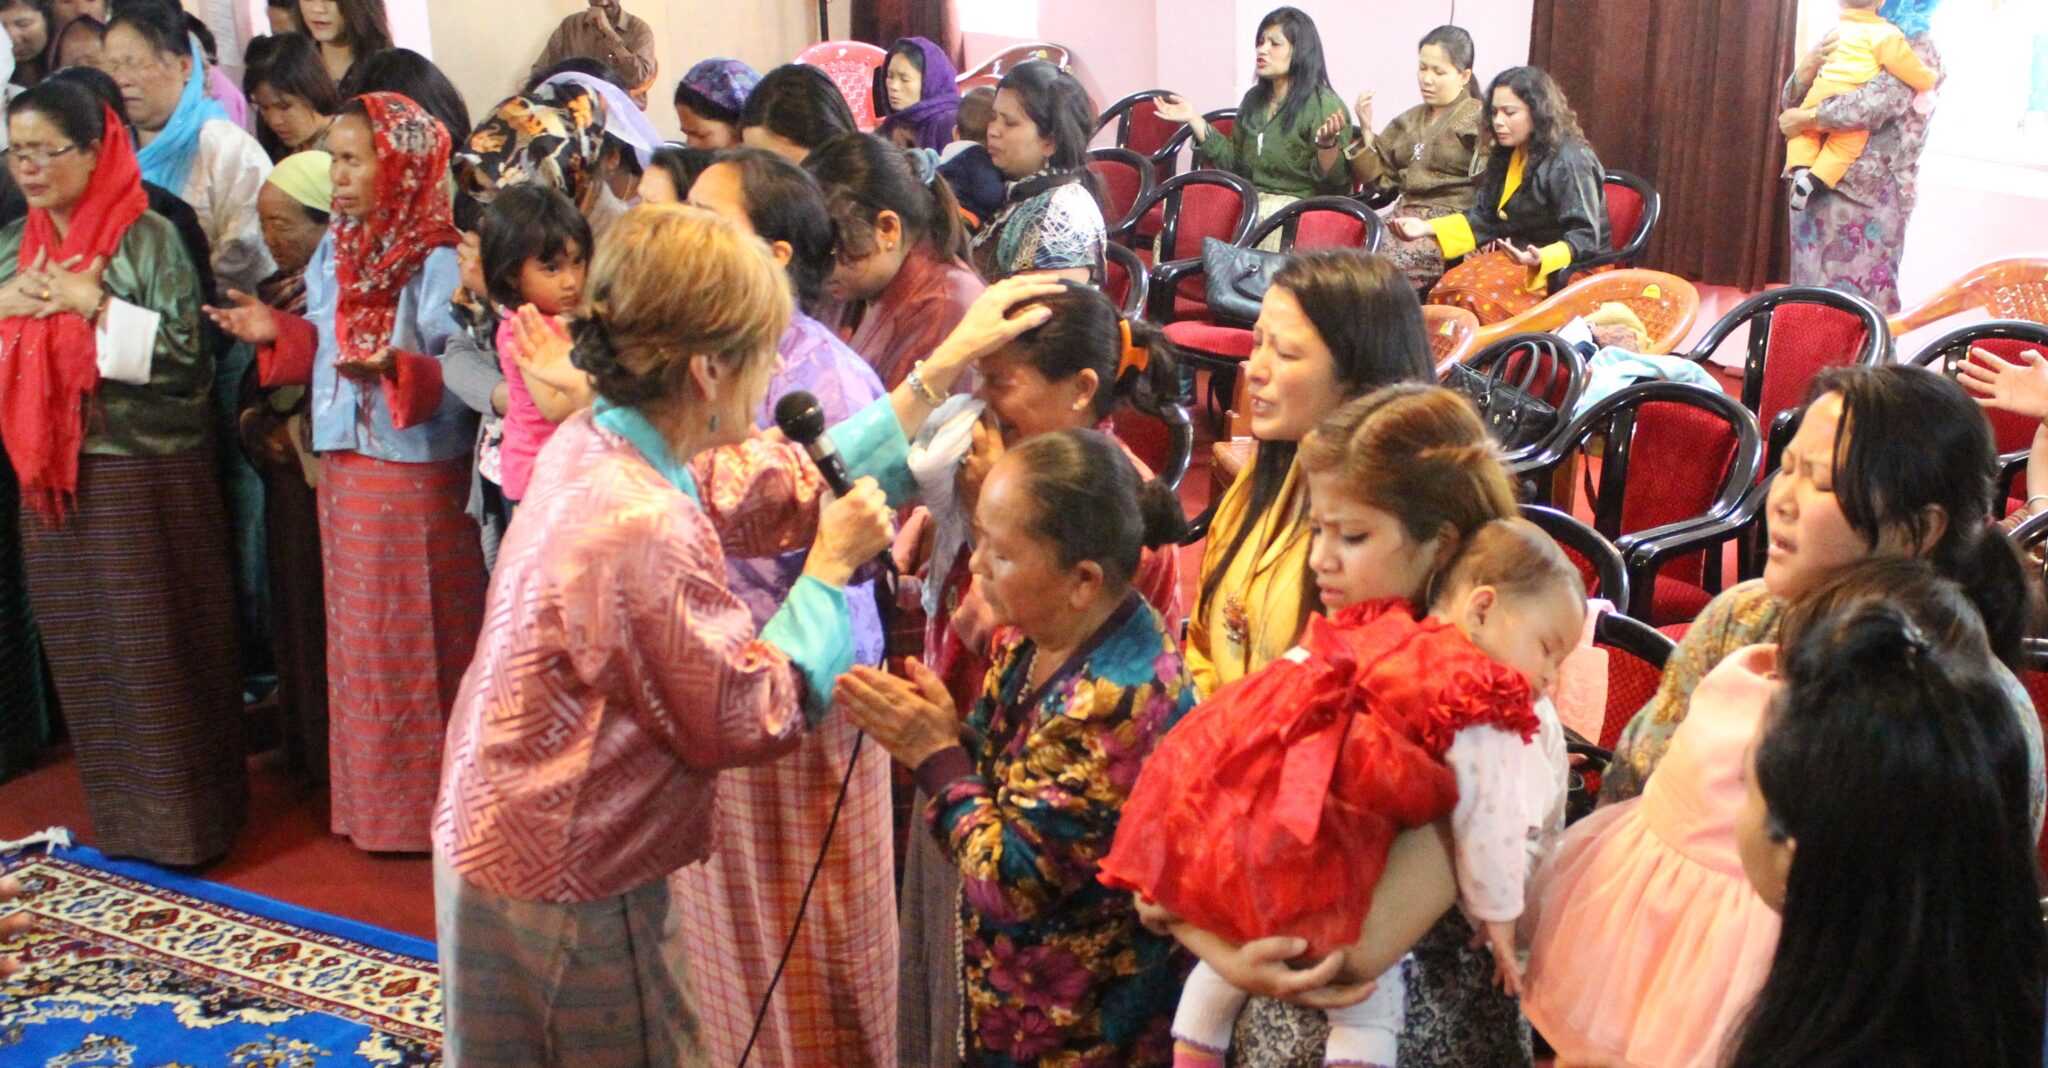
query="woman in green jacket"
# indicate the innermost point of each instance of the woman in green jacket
(1273, 143)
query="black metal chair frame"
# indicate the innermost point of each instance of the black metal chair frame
(1947, 353)
(1613, 418)
(1599, 553)
(1147, 178)
(1653, 210)
(1141, 279)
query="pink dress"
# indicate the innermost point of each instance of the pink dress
(1648, 943)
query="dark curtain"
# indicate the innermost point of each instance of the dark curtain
(884, 22)
(1685, 93)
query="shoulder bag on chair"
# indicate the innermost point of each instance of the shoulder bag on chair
(1515, 418)
(1237, 278)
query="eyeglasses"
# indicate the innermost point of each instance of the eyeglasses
(127, 64)
(34, 158)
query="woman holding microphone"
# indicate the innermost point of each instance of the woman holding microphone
(617, 673)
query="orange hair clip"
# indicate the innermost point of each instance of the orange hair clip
(1135, 356)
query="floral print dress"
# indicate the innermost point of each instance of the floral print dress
(1055, 968)
(1851, 237)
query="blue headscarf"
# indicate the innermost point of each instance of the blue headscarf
(1910, 16)
(167, 161)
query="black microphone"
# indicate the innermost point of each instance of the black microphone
(800, 419)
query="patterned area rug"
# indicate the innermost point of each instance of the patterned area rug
(132, 965)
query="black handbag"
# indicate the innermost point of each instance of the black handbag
(1514, 417)
(1237, 278)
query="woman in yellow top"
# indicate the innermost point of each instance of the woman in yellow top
(1540, 204)
(1335, 325)
(1430, 154)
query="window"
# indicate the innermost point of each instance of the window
(999, 18)
(1993, 101)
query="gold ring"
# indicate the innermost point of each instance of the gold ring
(46, 294)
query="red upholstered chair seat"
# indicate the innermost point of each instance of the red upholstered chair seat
(1226, 342)
(1678, 460)
(1679, 598)
(1805, 340)
(1624, 214)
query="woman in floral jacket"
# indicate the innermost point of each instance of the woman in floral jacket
(1055, 968)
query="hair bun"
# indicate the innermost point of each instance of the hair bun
(592, 351)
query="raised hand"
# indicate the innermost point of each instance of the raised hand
(1363, 108)
(2020, 388)
(1174, 107)
(1332, 128)
(246, 319)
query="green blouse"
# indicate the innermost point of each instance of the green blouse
(171, 414)
(1281, 159)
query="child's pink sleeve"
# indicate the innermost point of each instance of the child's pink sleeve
(1489, 828)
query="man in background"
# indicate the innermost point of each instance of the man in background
(605, 32)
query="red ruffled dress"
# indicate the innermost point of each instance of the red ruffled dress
(1270, 809)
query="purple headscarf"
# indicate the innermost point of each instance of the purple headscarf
(932, 118)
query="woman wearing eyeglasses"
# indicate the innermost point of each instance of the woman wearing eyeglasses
(106, 425)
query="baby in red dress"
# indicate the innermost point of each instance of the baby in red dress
(1271, 808)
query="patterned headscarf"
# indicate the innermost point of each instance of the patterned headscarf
(1910, 16)
(375, 257)
(724, 82)
(552, 137)
(50, 364)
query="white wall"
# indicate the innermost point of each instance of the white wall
(487, 50)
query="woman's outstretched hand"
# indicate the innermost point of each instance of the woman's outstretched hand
(245, 319)
(1411, 229)
(913, 719)
(2020, 388)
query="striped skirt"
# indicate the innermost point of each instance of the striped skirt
(405, 596)
(594, 984)
(135, 600)
(836, 1003)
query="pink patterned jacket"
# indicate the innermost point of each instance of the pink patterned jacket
(616, 673)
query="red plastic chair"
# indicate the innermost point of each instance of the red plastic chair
(1633, 208)
(1675, 475)
(1128, 178)
(2012, 435)
(851, 65)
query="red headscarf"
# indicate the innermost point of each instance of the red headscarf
(376, 256)
(48, 367)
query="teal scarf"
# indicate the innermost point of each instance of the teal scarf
(167, 161)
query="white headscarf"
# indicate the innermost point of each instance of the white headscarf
(623, 118)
